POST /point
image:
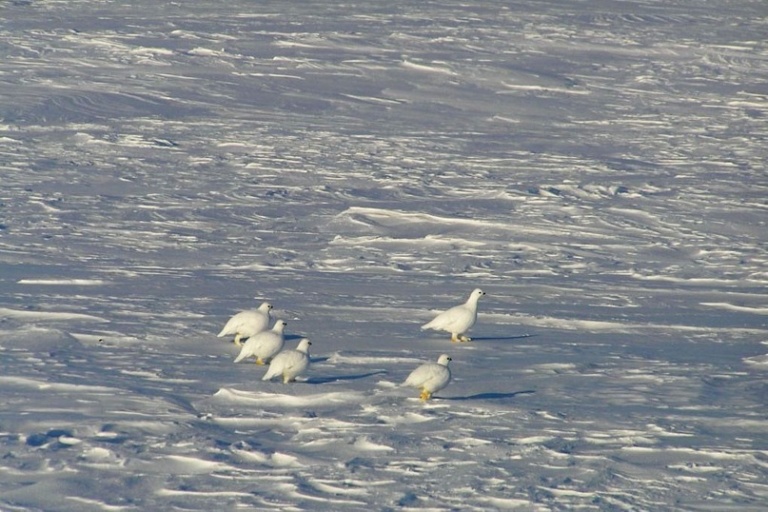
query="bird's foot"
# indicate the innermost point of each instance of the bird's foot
(425, 395)
(259, 361)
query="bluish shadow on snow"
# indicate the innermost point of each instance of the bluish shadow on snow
(488, 396)
(503, 338)
(338, 378)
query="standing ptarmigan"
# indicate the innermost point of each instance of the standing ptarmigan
(459, 319)
(290, 363)
(430, 377)
(247, 323)
(264, 345)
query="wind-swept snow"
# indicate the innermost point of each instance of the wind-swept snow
(598, 170)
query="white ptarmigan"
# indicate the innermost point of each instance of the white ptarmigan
(459, 319)
(290, 363)
(247, 323)
(264, 345)
(430, 377)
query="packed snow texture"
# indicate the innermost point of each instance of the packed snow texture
(598, 168)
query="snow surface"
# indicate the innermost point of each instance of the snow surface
(597, 167)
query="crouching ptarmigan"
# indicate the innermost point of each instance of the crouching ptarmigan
(264, 345)
(247, 323)
(459, 319)
(430, 377)
(290, 363)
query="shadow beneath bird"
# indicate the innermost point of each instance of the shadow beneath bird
(490, 396)
(504, 338)
(339, 378)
